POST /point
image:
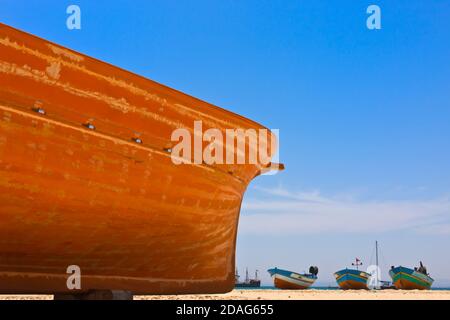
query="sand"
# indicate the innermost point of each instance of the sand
(289, 295)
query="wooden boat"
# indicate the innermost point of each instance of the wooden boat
(86, 179)
(247, 283)
(289, 280)
(352, 279)
(409, 279)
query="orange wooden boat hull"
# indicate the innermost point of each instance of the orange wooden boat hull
(121, 211)
(352, 285)
(285, 285)
(351, 279)
(409, 279)
(288, 280)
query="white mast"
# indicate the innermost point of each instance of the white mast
(378, 267)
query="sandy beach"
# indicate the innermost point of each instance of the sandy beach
(288, 295)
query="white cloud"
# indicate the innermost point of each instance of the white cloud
(286, 212)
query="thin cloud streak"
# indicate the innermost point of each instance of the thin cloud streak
(287, 212)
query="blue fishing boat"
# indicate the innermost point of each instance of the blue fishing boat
(352, 279)
(409, 279)
(288, 280)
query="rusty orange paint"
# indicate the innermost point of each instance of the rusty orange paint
(352, 285)
(405, 284)
(285, 285)
(122, 211)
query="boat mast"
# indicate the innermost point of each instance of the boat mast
(378, 267)
(376, 253)
(246, 275)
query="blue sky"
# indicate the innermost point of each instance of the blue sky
(363, 114)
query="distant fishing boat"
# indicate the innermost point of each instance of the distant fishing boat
(289, 280)
(248, 283)
(409, 279)
(352, 279)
